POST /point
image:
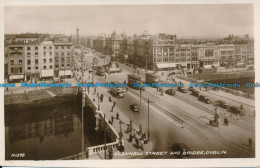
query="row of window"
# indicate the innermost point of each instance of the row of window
(19, 62)
(45, 47)
(172, 60)
(36, 61)
(45, 53)
(45, 67)
(62, 47)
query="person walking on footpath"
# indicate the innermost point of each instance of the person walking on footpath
(241, 107)
(250, 142)
(142, 144)
(130, 137)
(117, 115)
(137, 142)
(114, 105)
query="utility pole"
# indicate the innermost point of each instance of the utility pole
(140, 126)
(148, 120)
(92, 75)
(83, 136)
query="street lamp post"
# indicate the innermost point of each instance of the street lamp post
(140, 126)
(98, 103)
(148, 120)
(83, 135)
(105, 136)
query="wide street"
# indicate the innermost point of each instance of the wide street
(180, 118)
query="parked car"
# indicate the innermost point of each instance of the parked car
(191, 88)
(236, 110)
(204, 99)
(134, 107)
(180, 149)
(170, 91)
(195, 92)
(222, 104)
(181, 89)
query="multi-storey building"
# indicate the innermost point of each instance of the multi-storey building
(31, 60)
(16, 61)
(208, 55)
(127, 48)
(226, 54)
(194, 56)
(46, 59)
(155, 52)
(183, 55)
(113, 44)
(240, 52)
(26, 38)
(63, 58)
(99, 43)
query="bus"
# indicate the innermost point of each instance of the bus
(133, 79)
(118, 91)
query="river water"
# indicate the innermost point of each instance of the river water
(43, 134)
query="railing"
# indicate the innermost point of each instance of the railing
(93, 150)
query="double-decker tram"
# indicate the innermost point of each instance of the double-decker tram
(132, 79)
(118, 91)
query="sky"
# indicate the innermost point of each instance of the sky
(182, 20)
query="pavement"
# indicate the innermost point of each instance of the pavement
(225, 95)
(131, 149)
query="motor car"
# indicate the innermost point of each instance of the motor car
(204, 99)
(222, 104)
(195, 93)
(236, 110)
(171, 91)
(180, 149)
(191, 88)
(134, 107)
(181, 89)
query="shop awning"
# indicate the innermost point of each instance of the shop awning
(16, 77)
(182, 64)
(207, 66)
(47, 73)
(65, 73)
(166, 65)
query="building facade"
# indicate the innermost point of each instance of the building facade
(16, 62)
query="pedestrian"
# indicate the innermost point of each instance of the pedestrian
(112, 118)
(109, 99)
(144, 135)
(128, 128)
(241, 107)
(112, 108)
(250, 142)
(137, 142)
(114, 104)
(101, 98)
(131, 122)
(142, 144)
(117, 115)
(130, 137)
